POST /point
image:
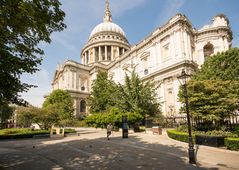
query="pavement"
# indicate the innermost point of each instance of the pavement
(91, 150)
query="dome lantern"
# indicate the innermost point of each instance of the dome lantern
(108, 16)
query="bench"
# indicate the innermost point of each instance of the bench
(157, 130)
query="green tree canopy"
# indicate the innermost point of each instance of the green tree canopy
(23, 25)
(213, 91)
(222, 66)
(213, 100)
(48, 117)
(138, 96)
(6, 112)
(62, 101)
(134, 96)
(103, 93)
(26, 115)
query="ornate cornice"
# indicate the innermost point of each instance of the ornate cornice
(182, 64)
(177, 22)
(216, 31)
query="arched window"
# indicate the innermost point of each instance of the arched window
(82, 106)
(208, 50)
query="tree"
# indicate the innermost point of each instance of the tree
(26, 115)
(213, 91)
(23, 25)
(213, 101)
(222, 66)
(137, 96)
(103, 93)
(5, 113)
(62, 101)
(43, 117)
(48, 117)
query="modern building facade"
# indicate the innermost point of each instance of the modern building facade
(160, 57)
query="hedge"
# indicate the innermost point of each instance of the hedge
(180, 136)
(25, 133)
(232, 143)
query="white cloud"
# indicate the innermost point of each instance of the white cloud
(170, 9)
(35, 95)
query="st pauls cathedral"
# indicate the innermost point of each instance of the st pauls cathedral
(160, 57)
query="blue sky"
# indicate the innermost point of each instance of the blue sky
(138, 18)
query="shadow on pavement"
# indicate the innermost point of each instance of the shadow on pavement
(99, 153)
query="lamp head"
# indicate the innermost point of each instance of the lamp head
(183, 77)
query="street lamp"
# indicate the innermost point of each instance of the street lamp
(183, 81)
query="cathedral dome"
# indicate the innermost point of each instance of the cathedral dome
(107, 27)
(107, 41)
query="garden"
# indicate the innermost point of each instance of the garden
(213, 101)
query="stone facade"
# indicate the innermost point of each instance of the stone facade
(160, 57)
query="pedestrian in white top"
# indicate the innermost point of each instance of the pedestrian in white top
(109, 129)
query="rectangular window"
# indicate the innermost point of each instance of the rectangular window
(165, 52)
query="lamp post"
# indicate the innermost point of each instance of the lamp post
(183, 81)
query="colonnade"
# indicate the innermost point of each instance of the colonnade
(102, 53)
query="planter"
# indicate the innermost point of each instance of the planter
(216, 141)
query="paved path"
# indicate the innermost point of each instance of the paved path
(91, 150)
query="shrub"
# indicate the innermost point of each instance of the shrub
(216, 133)
(236, 131)
(182, 128)
(20, 133)
(100, 120)
(180, 136)
(232, 143)
(80, 123)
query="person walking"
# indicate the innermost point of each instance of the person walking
(109, 129)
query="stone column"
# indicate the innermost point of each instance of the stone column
(106, 52)
(99, 54)
(87, 57)
(93, 54)
(118, 51)
(189, 46)
(112, 56)
(74, 79)
(186, 48)
(83, 58)
(182, 43)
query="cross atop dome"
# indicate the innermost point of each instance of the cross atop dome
(108, 16)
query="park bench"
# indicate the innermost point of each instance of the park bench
(157, 130)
